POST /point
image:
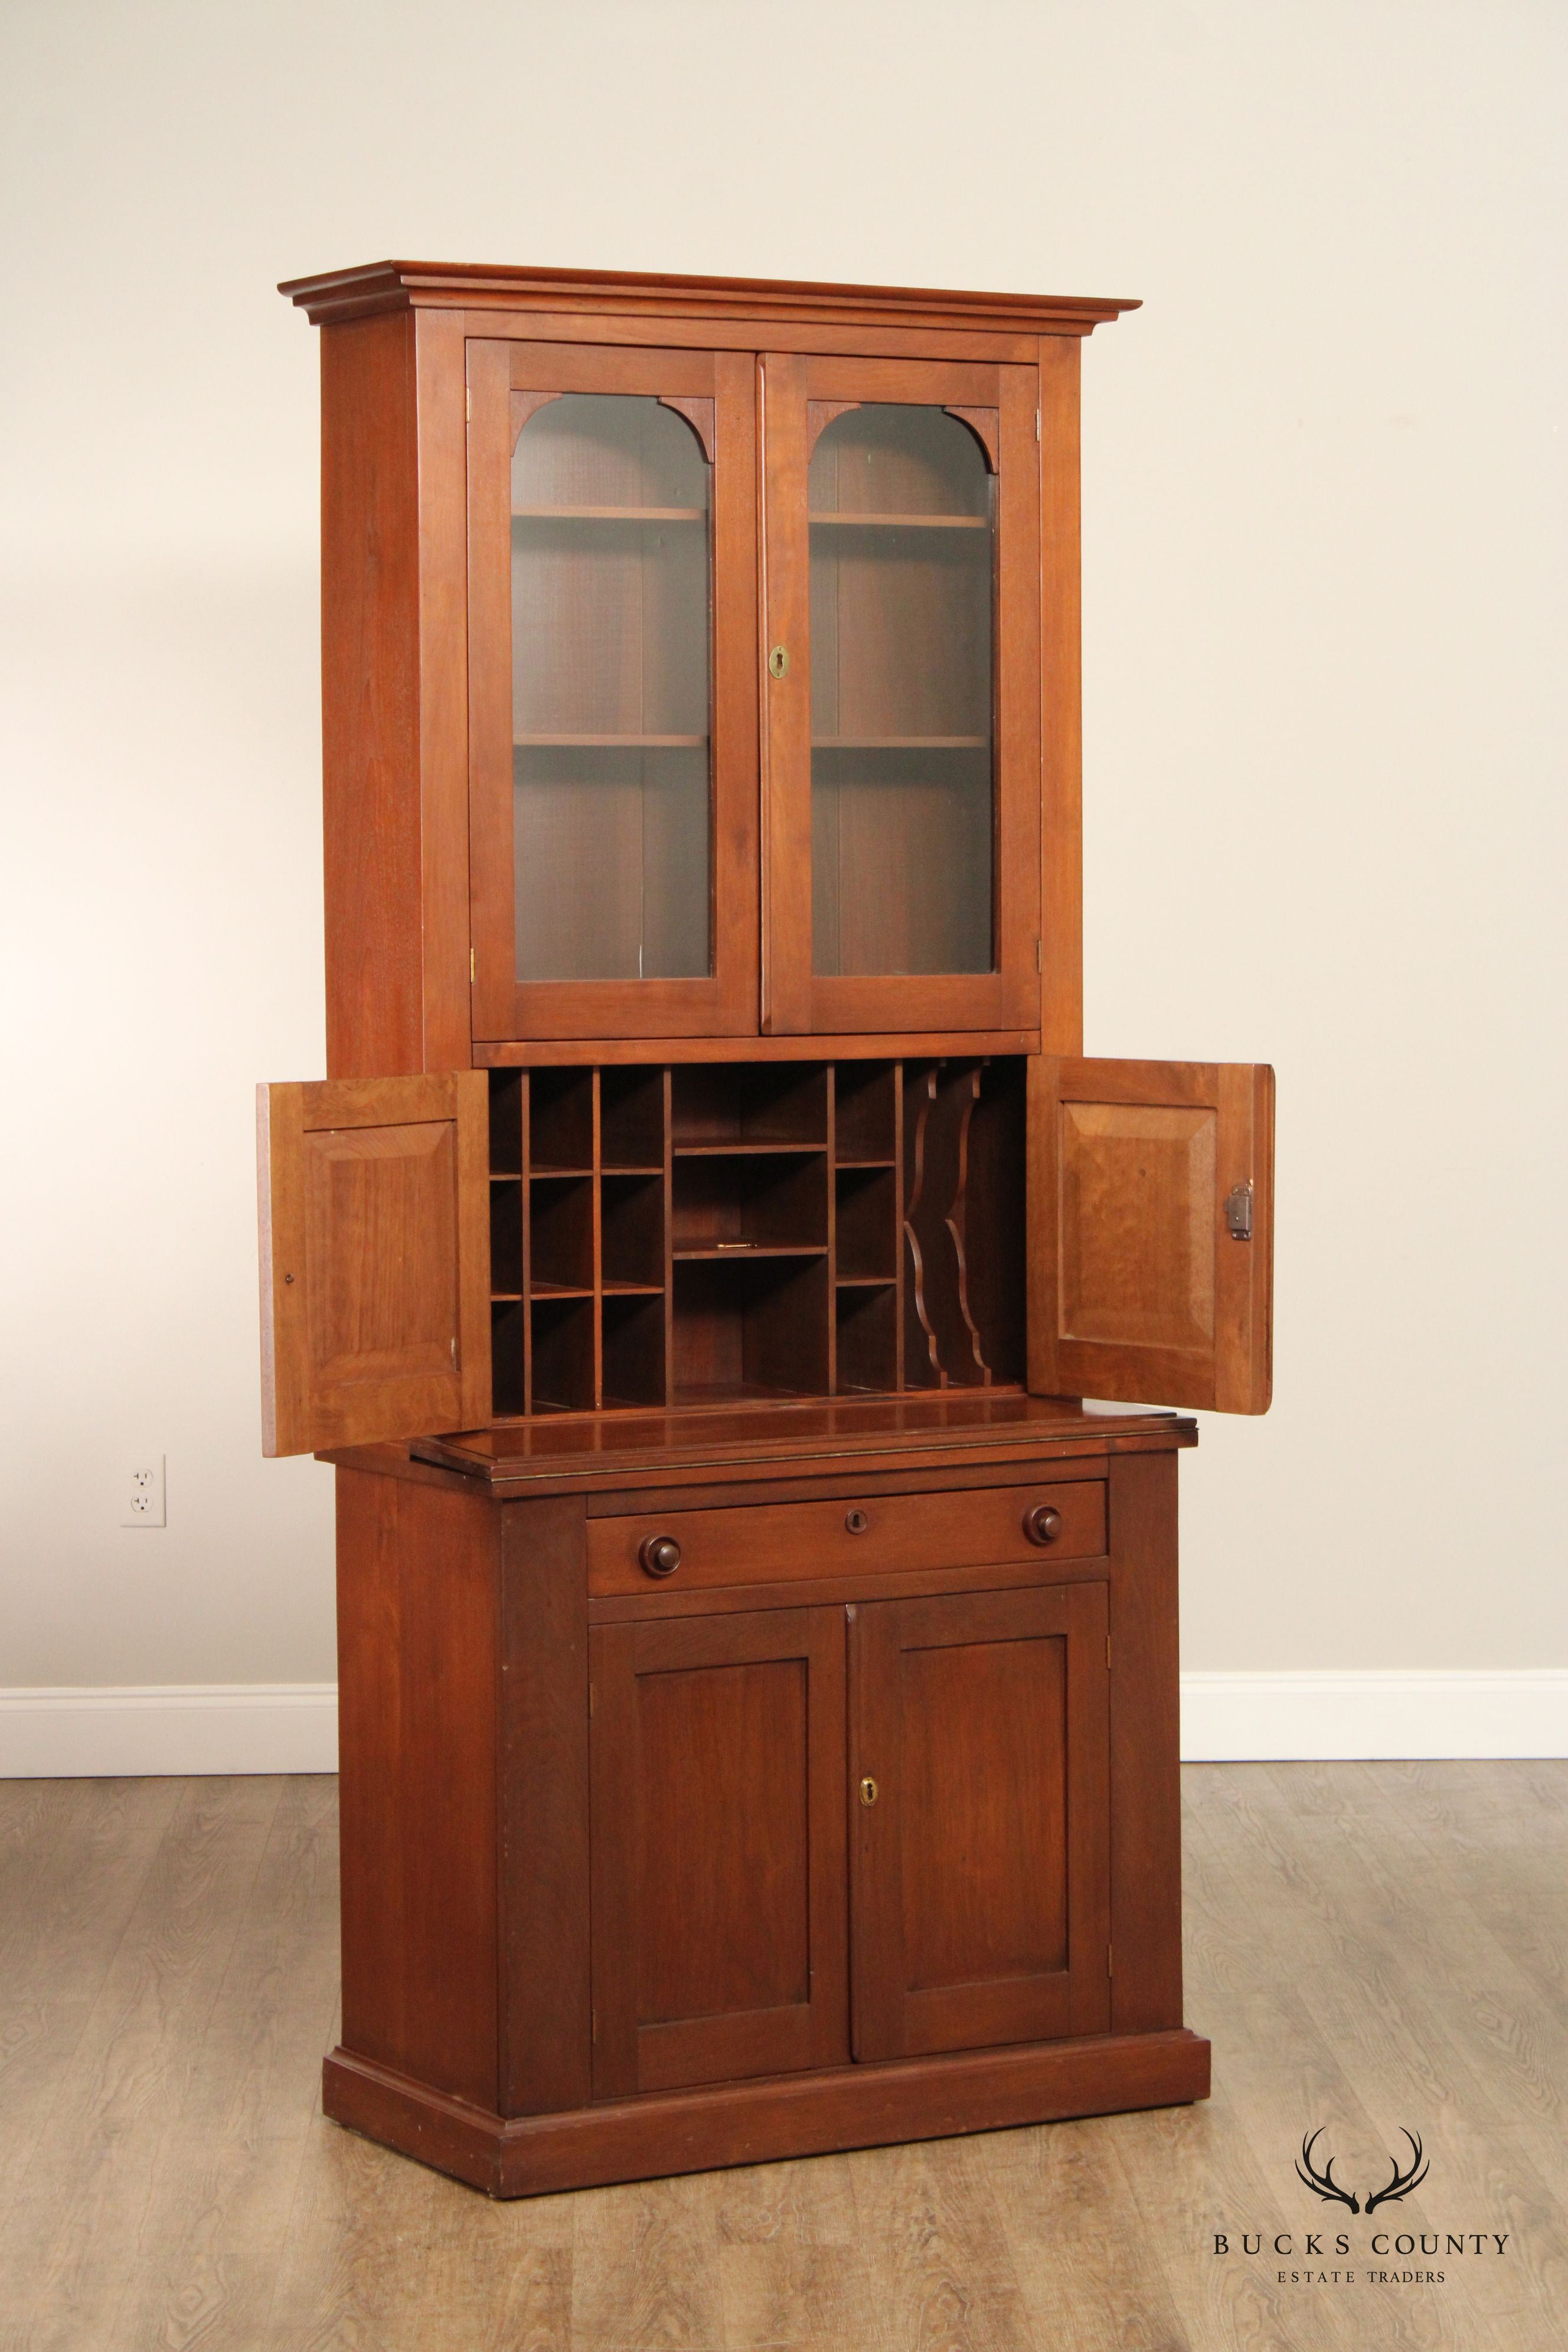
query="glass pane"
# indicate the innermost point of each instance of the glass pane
(901, 696)
(610, 635)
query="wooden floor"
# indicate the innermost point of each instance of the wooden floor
(1371, 1946)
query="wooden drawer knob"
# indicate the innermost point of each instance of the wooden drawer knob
(660, 1555)
(1042, 1525)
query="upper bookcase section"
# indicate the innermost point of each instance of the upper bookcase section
(701, 665)
(334, 295)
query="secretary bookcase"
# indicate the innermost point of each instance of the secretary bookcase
(745, 1327)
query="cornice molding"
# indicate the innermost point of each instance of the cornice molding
(340, 294)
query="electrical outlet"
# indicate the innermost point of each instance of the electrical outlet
(142, 1491)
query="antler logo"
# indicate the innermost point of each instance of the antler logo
(1323, 2184)
(1403, 2182)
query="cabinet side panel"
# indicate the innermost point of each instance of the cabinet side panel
(370, 697)
(1061, 873)
(418, 1675)
(546, 2047)
(446, 998)
(1145, 1747)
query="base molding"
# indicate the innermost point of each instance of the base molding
(1227, 1718)
(1373, 1713)
(667, 2132)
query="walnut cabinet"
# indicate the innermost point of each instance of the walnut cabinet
(757, 1659)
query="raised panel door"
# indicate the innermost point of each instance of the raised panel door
(1151, 1221)
(374, 1251)
(979, 1845)
(718, 1766)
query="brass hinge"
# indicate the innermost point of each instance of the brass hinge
(468, 404)
(1107, 1653)
(472, 974)
(591, 1698)
(1036, 424)
(1039, 955)
(1110, 1962)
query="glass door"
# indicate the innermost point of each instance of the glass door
(612, 692)
(902, 695)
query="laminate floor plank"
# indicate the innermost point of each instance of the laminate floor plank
(1511, 1869)
(222, 2193)
(1368, 1946)
(74, 2226)
(1089, 2276)
(356, 2250)
(1376, 1969)
(498, 2278)
(644, 2275)
(1279, 2067)
(941, 2266)
(793, 2271)
(61, 1923)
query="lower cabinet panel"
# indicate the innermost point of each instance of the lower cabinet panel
(735, 1928)
(980, 1846)
(718, 1839)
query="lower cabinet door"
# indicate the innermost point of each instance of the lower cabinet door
(979, 1841)
(718, 1835)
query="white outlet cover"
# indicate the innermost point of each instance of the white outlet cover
(141, 1491)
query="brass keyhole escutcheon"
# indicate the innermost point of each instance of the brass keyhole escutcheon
(778, 661)
(856, 1522)
(868, 1790)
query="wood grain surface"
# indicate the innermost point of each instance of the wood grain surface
(1370, 1945)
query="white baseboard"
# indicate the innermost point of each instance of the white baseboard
(91, 1733)
(193, 1728)
(1232, 1718)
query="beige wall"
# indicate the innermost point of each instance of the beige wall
(1323, 606)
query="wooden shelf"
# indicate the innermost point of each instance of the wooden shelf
(865, 1163)
(561, 1290)
(905, 522)
(738, 1251)
(751, 1148)
(865, 1281)
(633, 1289)
(609, 514)
(626, 1167)
(905, 744)
(610, 743)
(720, 1393)
(555, 1174)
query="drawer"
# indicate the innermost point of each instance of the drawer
(776, 1543)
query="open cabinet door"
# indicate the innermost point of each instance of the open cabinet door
(1151, 1232)
(374, 1259)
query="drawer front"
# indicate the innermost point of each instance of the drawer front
(776, 1543)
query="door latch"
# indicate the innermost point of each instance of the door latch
(1238, 1211)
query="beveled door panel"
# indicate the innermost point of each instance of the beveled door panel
(1151, 1231)
(903, 735)
(717, 1843)
(612, 690)
(980, 1855)
(374, 1259)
